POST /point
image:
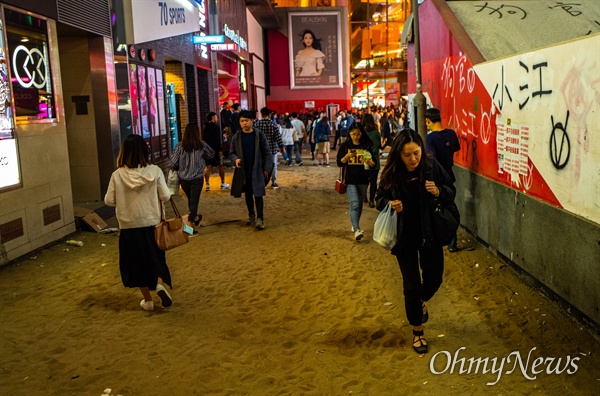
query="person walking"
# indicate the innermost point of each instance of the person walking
(337, 128)
(137, 188)
(214, 138)
(225, 115)
(441, 144)
(253, 159)
(235, 117)
(322, 131)
(354, 157)
(300, 137)
(372, 132)
(310, 136)
(288, 137)
(271, 131)
(189, 158)
(345, 125)
(410, 182)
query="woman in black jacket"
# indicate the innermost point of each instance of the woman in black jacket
(412, 184)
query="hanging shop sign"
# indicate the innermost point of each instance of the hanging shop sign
(201, 47)
(235, 37)
(153, 20)
(223, 47)
(213, 39)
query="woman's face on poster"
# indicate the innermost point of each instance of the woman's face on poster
(308, 40)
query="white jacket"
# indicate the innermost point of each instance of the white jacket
(136, 193)
(288, 136)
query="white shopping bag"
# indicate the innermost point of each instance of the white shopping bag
(386, 228)
(173, 182)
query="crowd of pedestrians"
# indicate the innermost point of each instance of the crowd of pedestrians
(417, 174)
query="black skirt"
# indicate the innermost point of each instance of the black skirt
(140, 260)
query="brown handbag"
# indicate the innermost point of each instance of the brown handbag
(340, 184)
(169, 233)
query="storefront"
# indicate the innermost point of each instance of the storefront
(233, 58)
(41, 113)
(164, 80)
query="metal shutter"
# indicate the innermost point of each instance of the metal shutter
(89, 15)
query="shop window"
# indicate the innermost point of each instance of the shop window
(30, 68)
(10, 176)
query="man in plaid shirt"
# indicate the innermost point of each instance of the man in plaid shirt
(271, 131)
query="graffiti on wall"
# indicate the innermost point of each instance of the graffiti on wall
(530, 121)
(557, 98)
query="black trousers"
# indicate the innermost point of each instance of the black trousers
(373, 173)
(420, 284)
(251, 200)
(192, 189)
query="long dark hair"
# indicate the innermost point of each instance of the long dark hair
(316, 42)
(192, 140)
(369, 123)
(395, 172)
(134, 152)
(287, 123)
(363, 142)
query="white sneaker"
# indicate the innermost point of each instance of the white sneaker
(224, 186)
(208, 187)
(359, 234)
(164, 295)
(147, 305)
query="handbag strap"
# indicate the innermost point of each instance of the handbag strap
(163, 215)
(177, 214)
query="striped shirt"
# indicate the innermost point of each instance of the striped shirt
(271, 131)
(192, 164)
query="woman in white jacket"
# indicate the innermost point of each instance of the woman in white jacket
(137, 188)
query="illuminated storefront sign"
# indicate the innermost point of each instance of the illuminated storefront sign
(243, 85)
(218, 39)
(28, 51)
(236, 38)
(203, 29)
(223, 47)
(33, 69)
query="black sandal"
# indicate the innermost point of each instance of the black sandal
(426, 314)
(197, 220)
(422, 348)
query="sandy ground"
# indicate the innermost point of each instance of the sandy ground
(297, 309)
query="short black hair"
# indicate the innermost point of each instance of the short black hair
(433, 115)
(248, 114)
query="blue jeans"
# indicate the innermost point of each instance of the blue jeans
(274, 174)
(289, 148)
(298, 149)
(356, 193)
